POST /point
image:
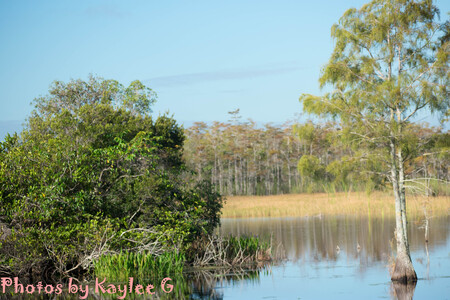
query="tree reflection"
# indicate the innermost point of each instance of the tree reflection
(403, 291)
(194, 284)
(331, 238)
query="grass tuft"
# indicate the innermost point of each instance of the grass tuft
(138, 265)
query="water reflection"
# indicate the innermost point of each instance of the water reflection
(328, 258)
(194, 284)
(327, 238)
(404, 291)
(350, 255)
(206, 284)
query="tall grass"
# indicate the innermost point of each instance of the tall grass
(119, 267)
(248, 245)
(343, 203)
(231, 251)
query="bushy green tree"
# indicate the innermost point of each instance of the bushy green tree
(310, 167)
(93, 172)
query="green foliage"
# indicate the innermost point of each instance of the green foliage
(139, 265)
(247, 160)
(71, 96)
(40, 251)
(390, 61)
(209, 208)
(310, 166)
(229, 251)
(247, 245)
(91, 165)
(384, 61)
(306, 132)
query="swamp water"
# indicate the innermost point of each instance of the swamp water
(342, 258)
(326, 258)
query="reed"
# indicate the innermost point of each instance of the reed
(123, 265)
(248, 245)
(355, 203)
(219, 251)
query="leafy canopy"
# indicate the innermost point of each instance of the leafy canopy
(390, 57)
(390, 61)
(91, 165)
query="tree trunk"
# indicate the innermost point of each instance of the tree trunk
(401, 187)
(403, 271)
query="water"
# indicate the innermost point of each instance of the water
(326, 258)
(341, 258)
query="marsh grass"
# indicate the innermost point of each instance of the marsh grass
(377, 204)
(249, 246)
(211, 251)
(230, 251)
(138, 265)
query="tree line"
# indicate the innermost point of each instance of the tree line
(243, 158)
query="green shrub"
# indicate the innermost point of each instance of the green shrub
(93, 172)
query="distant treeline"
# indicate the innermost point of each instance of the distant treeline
(242, 158)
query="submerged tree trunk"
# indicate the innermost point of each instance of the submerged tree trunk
(403, 271)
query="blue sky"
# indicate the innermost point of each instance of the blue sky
(203, 58)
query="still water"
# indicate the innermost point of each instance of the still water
(335, 258)
(324, 258)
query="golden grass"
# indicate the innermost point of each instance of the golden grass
(355, 203)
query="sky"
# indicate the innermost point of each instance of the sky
(202, 58)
